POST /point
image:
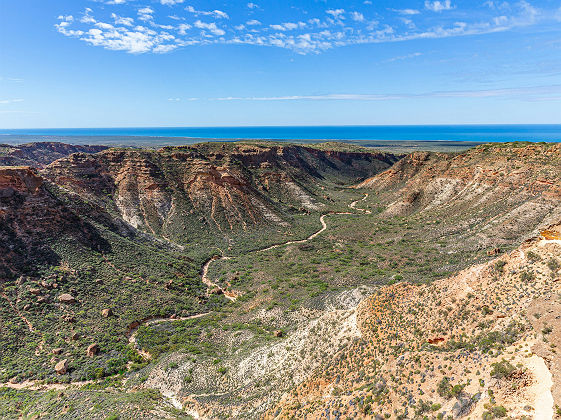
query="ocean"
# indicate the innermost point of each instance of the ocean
(186, 135)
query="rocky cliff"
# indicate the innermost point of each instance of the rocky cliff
(29, 216)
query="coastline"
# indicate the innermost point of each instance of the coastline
(395, 146)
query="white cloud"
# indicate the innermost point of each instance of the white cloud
(532, 93)
(408, 12)
(288, 26)
(336, 13)
(438, 6)
(145, 14)
(252, 6)
(10, 101)
(183, 28)
(310, 35)
(497, 5)
(171, 2)
(179, 99)
(127, 21)
(403, 57)
(135, 40)
(215, 13)
(529, 11)
(11, 79)
(211, 27)
(358, 17)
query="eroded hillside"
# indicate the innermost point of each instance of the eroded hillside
(499, 191)
(482, 341)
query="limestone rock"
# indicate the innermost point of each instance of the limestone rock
(66, 298)
(92, 350)
(62, 367)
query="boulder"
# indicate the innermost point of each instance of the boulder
(93, 349)
(62, 367)
(35, 292)
(74, 337)
(107, 313)
(58, 350)
(278, 333)
(66, 298)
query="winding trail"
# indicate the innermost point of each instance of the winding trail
(157, 320)
(204, 278)
(354, 207)
(18, 313)
(232, 296)
(543, 398)
(39, 386)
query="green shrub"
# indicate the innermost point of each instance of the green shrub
(553, 264)
(527, 276)
(500, 266)
(502, 369)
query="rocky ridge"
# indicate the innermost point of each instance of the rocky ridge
(41, 154)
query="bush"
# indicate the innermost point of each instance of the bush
(532, 256)
(499, 411)
(494, 412)
(500, 266)
(502, 369)
(553, 264)
(446, 390)
(527, 276)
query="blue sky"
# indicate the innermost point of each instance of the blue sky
(110, 63)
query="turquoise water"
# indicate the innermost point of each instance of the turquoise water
(475, 133)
